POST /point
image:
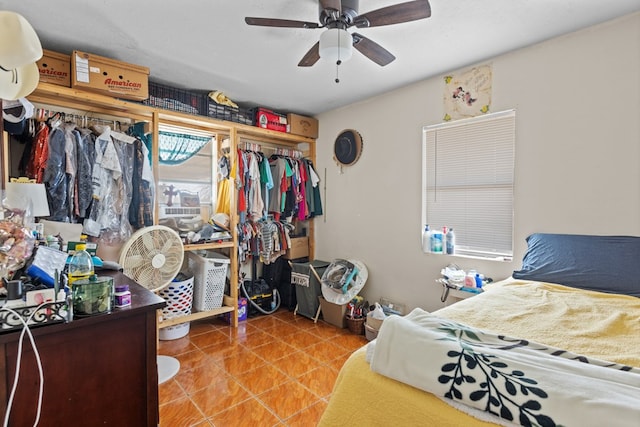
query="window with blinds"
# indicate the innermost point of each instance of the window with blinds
(467, 183)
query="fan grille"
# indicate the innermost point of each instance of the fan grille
(153, 257)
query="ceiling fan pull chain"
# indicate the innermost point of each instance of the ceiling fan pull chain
(338, 62)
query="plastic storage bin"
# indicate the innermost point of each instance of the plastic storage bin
(179, 298)
(210, 274)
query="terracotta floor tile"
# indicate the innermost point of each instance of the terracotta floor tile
(302, 339)
(170, 391)
(192, 359)
(307, 417)
(220, 396)
(255, 374)
(262, 379)
(319, 380)
(215, 337)
(242, 361)
(218, 351)
(349, 342)
(325, 351)
(274, 351)
(182, 412)
(283, 330)
(337, 363)
(289, 398)
(296, 364)
(266, 322)
(255, 339)
(199, 377)
(248, 413)
(324, 330)
(175, 347)
(201, 327)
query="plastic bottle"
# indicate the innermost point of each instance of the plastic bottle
(426, 239)
(478, 280)
(451, 242)
(470, 279)
(80, 265)
(437, 242)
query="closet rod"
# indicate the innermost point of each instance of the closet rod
(72, 108)
(289, 152)
(42, 114)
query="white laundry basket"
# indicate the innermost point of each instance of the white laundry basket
(179, 297)
(210, 274)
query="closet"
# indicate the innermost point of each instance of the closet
(90, 106)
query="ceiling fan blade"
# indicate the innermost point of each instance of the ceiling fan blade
(372, 50)
(396, 14)
(272, 22)
(311, 57)
(331, 4)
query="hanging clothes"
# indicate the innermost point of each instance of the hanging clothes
(140, 214)
(54, 176)
(85, 156)
(224, 183)
(106, 171)
(39, 154)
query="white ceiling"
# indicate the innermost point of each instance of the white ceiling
(206, 45)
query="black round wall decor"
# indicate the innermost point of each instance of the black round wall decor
(347, 147)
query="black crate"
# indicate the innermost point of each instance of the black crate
(174, 99)
(241, 115)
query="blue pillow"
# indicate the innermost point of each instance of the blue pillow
(598, 263)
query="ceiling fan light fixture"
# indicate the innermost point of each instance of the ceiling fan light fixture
(336, 44)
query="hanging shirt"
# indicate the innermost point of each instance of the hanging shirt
(39, 154)
(54, 177)
(267, 180)
(106, 169)
(85, 156)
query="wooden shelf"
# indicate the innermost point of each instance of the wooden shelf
(165, 323)
(207, 246)
(93, 104)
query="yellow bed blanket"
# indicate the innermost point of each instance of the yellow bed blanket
(596, 325)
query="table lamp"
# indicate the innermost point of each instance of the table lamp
(31, 192)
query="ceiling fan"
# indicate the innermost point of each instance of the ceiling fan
(337, 16)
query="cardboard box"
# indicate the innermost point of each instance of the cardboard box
(299, 248)
(55, 68)
(333, 314)
(268, 119)
(302, 125)
(108, 76)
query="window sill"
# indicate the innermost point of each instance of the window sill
(499, 258)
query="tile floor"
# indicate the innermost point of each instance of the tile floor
(275, 370)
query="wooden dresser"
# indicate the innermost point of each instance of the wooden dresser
(98, 371)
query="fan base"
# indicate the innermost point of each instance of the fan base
(168, 368)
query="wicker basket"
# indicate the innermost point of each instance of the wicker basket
(355, 325)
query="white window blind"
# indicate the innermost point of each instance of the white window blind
(467, 182)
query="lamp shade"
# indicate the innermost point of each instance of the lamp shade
(35, 193)
(336, 44)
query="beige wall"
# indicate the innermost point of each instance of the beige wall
(577, 99)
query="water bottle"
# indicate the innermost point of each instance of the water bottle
(426, 239)
(80, 265)
(451, 242)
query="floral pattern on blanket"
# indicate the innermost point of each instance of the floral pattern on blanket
(491, 383)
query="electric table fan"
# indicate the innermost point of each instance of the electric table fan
(153, 257)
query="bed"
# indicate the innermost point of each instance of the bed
(558, 343)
